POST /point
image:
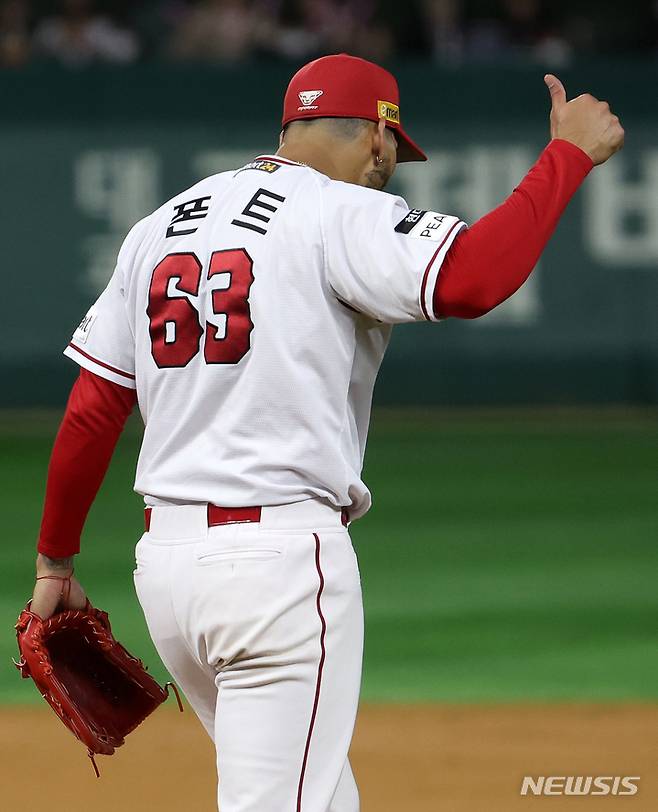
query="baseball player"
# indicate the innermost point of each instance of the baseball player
(248, 317)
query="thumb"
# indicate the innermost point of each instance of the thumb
(557, 91)
(46, 597)
(52, 595)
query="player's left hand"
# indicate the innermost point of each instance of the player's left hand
(56, 588)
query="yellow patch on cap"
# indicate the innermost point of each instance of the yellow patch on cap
(388, 111)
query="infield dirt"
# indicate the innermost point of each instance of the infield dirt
(407, 758)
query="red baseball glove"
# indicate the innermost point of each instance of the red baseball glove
(99, 690)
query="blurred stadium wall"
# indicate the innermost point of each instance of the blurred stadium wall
(85, 155)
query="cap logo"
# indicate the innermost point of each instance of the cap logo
(388, 111)
(307, 97)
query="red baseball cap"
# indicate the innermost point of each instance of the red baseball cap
(344, 86)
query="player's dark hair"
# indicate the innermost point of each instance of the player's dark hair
(345, 128)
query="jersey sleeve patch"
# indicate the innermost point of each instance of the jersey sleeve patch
(81, 334)
(431, 274)
(407, 223)
(426, 225)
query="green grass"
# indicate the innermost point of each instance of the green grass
(508, 556)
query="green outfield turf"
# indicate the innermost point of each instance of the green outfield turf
(507, 556)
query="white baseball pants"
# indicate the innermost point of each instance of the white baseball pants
(261, 625)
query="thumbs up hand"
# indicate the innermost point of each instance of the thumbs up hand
(584, 121)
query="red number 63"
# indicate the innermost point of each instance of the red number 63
(174, 323)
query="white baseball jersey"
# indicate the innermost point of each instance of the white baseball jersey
(251, 313)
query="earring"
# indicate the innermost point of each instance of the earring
(378, 161)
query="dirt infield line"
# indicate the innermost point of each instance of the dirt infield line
(406, 758)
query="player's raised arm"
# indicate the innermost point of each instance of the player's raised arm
(492, 259)
(398, 264)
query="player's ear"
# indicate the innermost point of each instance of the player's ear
(378, 136)
(281, 138)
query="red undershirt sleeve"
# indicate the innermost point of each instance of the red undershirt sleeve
(489, 261)
(94, 418)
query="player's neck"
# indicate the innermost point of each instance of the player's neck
(329, 161)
